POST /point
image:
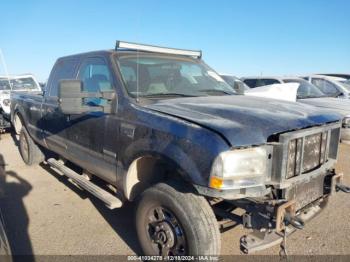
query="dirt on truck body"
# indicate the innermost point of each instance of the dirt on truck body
(168, 133)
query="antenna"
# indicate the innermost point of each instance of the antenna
(5, 67)
(137, 74)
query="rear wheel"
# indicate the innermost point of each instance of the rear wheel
(172, 223)
(30, 152)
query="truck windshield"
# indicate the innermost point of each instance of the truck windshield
(150, 76)
(25, 83)
(305, 90)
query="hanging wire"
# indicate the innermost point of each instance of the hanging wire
(137, 33)
(137, 75)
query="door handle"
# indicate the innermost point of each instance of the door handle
(109, 153)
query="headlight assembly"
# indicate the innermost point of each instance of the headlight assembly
(346, 122)
(7, 102)
(241, 168)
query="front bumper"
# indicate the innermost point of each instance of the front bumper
(4, 122)
(266, 237)
(345, 135)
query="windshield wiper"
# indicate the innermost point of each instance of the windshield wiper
(216, 91)
(167, 94)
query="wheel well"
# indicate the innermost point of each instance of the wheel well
(146, 171)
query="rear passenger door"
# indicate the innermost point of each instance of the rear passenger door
(86, 132)
(53, 122)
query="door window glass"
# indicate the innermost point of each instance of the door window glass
(96, 77)
(250, 82)
(325, 86)
(267, 82)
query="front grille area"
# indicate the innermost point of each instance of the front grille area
(309, 152)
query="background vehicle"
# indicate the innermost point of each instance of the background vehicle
(309, 94)
(235, 82)
(166, 131)
(10, 84)
(345, 76)
(331, 86)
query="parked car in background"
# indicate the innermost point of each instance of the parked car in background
(345, 76)
(309, 94)
(254, 81)
(9, 85)
(330, 85)
(42, 85)
(238, 85)
(169, 133)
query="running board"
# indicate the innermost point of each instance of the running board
(110, 200)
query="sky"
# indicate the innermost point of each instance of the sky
(239, 37)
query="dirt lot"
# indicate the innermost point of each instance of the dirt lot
(46, 214)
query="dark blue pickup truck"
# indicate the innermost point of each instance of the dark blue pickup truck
(167, 132)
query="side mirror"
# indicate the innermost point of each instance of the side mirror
(239, 87)
(71, 98)
(341, 95)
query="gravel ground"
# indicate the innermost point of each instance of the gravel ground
(45, 214)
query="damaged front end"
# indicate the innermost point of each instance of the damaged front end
(4, 122)
(273, 220)
(299, 178)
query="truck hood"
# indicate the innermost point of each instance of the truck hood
(4, 92)
(341, 106)
(242, 120)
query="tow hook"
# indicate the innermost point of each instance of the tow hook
(342, 187)
(294, 221)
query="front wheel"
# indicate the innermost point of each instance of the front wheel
(174, 223)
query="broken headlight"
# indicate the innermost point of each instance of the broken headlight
(7, 102)
(240, 168)
(346, 122)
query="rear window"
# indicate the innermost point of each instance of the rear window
(260, 82)
(267, 82)
(250, 82)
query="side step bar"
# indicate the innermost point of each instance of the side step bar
(110, 200)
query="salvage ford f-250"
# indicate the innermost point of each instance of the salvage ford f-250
(166, 131)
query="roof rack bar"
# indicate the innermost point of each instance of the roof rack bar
(157, 49)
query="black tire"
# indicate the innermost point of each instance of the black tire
(189, 218)
(30, 152)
